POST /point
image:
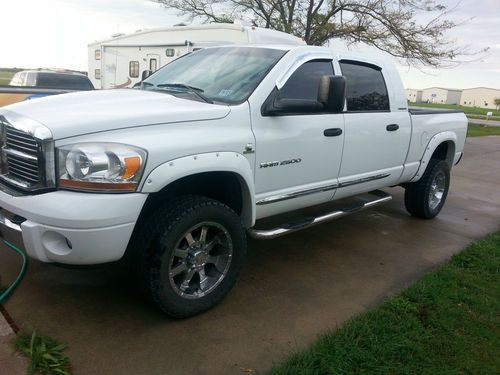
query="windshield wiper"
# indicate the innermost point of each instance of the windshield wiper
(195, 90)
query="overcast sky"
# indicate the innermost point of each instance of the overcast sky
(55, 33)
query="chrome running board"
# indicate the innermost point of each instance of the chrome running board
(379, 197)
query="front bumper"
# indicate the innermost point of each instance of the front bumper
(70, 227)
(10, 228)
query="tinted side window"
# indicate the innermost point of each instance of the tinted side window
(304, 82)
(63, 81)
(366, 89)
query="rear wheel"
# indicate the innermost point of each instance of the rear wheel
(195, 256)
(426, 197)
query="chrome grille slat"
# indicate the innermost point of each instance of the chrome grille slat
(20, 154)
(33, 171)
(25, 141)
(18, 133)
(11, 130)
(16, 146)
(13, 171)
(17, 160)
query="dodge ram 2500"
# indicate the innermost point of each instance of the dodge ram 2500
(173, 175)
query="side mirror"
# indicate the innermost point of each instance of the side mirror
(146, 74)
(331, 93)
(290, 106)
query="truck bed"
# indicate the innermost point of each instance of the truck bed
(430, 111)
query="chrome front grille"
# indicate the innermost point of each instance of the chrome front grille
(22, 168)
(21, 156)
(27, 154)
(21, 141)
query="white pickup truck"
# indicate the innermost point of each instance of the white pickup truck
(173, 174)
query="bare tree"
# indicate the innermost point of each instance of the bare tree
(409, 29)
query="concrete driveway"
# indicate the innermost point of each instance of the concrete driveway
(292, 289)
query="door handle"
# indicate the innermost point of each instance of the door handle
(333, 132)
(392, 127)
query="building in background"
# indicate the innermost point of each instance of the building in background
(483, 97)
(414, 95)
(441, 95)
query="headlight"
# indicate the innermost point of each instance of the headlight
(100, 166)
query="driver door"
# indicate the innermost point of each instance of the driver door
(298, 155)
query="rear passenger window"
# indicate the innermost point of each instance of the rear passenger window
(366, 89)
(304, 82)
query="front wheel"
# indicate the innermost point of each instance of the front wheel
(195, 258)
(425, 198)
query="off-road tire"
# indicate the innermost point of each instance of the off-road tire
(417, 200)
(155, 241)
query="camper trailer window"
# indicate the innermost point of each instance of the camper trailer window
(170, 52)
(153, 65)
(133, 69)
(97, 54)
(97, 74)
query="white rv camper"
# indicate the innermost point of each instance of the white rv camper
(119, 62)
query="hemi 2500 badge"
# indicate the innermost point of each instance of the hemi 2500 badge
(278, 163)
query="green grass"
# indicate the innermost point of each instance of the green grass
(467, 110)
(446, 323)
(6, 75)
(476, 130)
(46, 354)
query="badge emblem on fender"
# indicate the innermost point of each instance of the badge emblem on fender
(270, 164)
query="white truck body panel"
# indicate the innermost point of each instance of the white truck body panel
(115, 109)
(185, 137)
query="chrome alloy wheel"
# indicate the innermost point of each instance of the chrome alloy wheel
(436, 190)
(201, 260)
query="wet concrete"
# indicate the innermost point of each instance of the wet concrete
(292, 289)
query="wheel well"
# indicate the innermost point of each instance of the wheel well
(226, 187)
(445, 151)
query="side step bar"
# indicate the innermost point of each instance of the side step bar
(379, 197)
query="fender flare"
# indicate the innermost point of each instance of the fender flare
(173, 170)
(433, 144)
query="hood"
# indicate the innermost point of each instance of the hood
(68, 115)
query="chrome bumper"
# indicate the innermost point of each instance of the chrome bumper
(10, 228)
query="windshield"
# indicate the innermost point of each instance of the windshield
(227, 74)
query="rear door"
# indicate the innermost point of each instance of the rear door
(376, 136)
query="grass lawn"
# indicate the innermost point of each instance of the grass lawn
(476, 130)
(5, 76)
(467, 110)
(446, 323)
